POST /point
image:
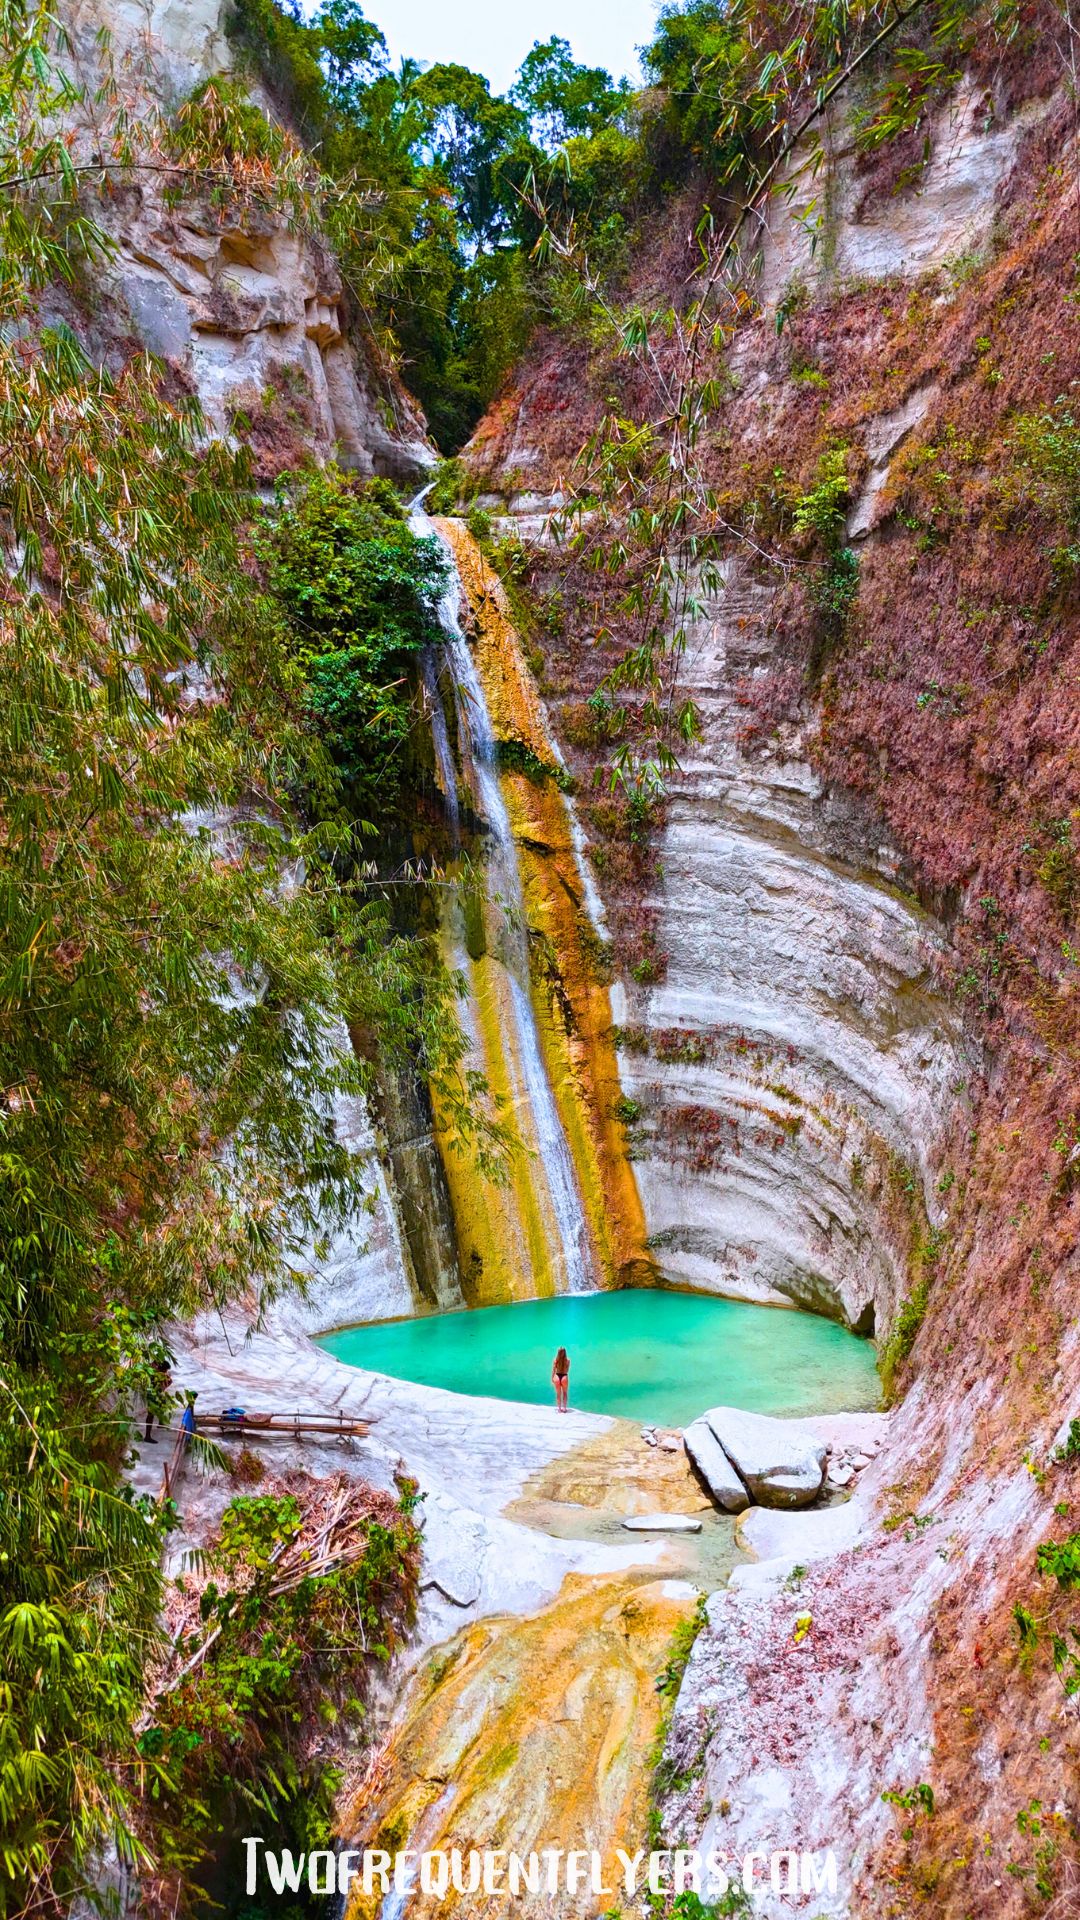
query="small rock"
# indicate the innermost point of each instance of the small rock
(662, 1523)
(859, 1461)
(648, 1434)
(670, 1443)
(840, 1476)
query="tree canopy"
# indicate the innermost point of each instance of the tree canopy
(459, 295)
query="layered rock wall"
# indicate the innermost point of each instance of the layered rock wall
(794, 1074)
(800, 1064)
(797, 1066)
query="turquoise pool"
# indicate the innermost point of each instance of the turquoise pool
(648, 1354)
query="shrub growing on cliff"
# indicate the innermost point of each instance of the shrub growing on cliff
(287, 1624)
(360, 594)
(1060, 1560)
(1046, 474)
(1058, 870)
(820, 515)
(905, 1331)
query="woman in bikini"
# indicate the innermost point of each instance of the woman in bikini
(560, 1379)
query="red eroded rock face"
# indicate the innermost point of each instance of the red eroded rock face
(849, 942)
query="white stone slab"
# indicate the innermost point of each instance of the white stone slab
(662, 1523)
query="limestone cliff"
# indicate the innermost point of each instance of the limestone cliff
(250, 311)
(247, 310)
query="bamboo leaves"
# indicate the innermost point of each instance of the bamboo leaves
(171, 1019)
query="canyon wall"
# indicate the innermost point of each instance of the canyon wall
(848, 954)
(787, 1028)
(794, 1071)
(844, 945)
(249, 309)
(796, 1067)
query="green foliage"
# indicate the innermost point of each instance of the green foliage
(229, 1735)
(517, 756)
(1065, 1659)
(1058, 870)
(169, 1014)
(1060, 1560)
(902, 1338)
(917, 1799)
(253, 1528)
(834, 590)
(478, 521)
(735, 1904)
(562, 99)
(667, 1776)
(682, 1646)
(1064, 1647)
(288, 56)
(819, 514)
(1069, 1451)
(705, 67)
(733, 87)
(1032, 1821)
(440, 163)
(690, 1906)
(448, 489)
(731, 1906)
(1027, 1628)
(1045, 473)
(641, 807)
(128, 1054)
(360, 594)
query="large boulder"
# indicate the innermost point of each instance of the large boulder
(781, 1462)
(715, 1468)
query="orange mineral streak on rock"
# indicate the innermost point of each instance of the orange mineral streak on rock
(568, 984)
(525, 1734)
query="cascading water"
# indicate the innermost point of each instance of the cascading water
(500, 1009)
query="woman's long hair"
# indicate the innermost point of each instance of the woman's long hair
(562, 1361)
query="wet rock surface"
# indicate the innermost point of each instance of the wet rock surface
(526, 1734)
(661, 1523)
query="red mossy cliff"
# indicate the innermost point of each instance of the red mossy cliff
(859, 909)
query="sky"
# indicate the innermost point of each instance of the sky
(493, 36)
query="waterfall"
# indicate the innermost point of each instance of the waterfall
(499, 973)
